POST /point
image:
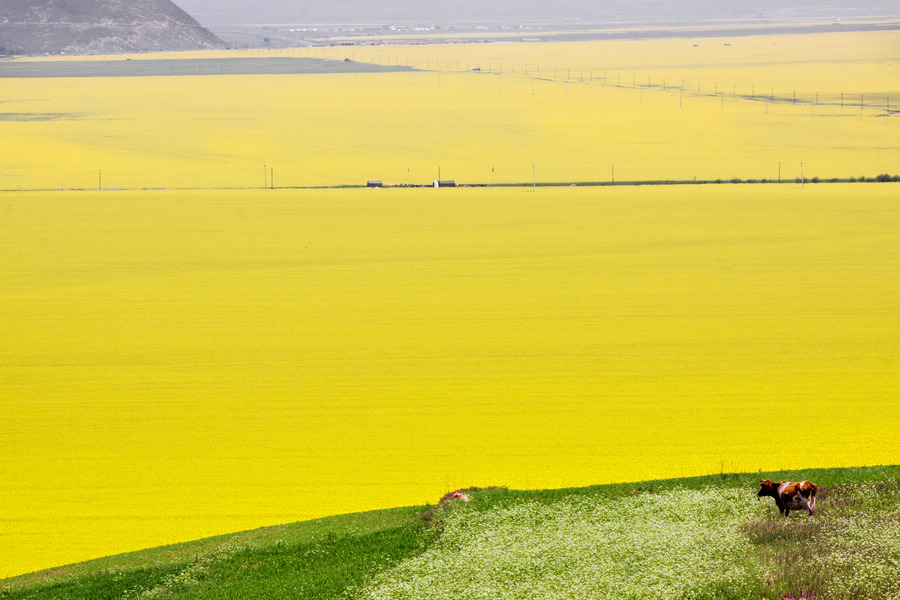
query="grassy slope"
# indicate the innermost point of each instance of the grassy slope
(337, 556)
(113, 576)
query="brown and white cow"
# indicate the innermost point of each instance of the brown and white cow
(790, 495)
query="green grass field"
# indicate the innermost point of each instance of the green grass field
(702, 537)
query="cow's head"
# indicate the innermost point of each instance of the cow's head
(767, 488)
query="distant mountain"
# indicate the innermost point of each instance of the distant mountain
(98, 27)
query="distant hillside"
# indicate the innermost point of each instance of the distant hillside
(98, 27)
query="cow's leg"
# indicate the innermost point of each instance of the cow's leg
(809, 505)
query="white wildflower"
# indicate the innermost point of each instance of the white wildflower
(662, 545)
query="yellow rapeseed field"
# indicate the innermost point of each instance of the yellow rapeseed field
(561, 124)
(177, 364)
(185, 362)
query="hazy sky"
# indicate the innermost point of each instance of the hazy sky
(510, 11)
